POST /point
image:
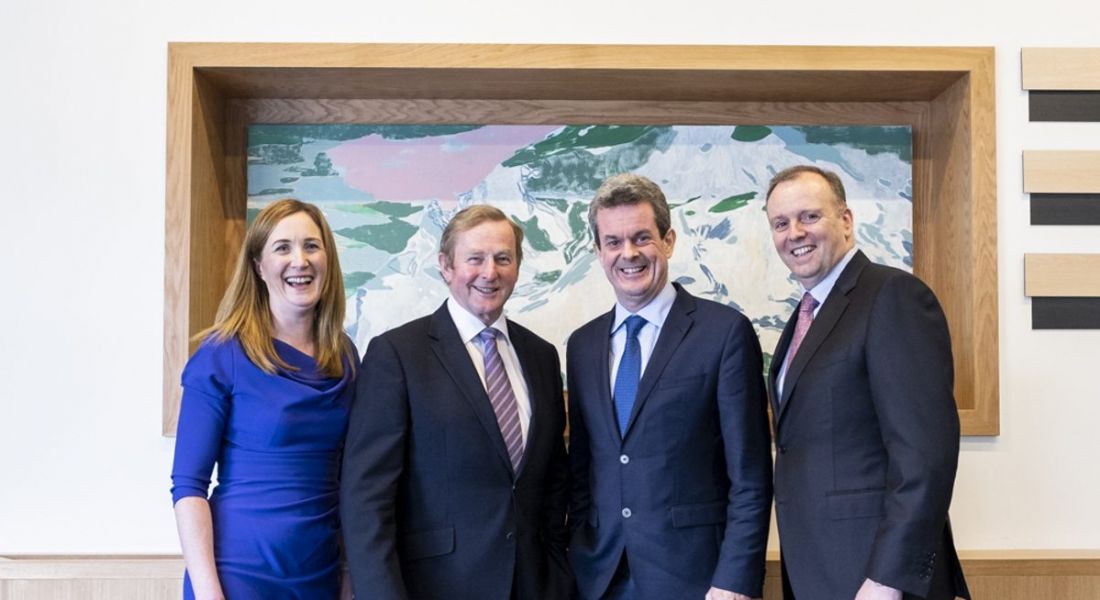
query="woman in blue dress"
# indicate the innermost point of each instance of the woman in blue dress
(266, 398)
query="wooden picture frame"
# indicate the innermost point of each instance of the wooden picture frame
(945, 94)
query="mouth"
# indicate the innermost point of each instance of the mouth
(802, 251)
(485, 290)
(632, 270)
(298, 281)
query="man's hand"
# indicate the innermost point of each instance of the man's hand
(720, 594)
(871, 590)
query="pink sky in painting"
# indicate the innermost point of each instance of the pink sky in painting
(432, 167)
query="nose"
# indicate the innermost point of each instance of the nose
(629, 249)
(489, 270)
(796, 231)
(298, 257)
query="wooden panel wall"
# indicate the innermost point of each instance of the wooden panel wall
(947, 93)
(1003, 575)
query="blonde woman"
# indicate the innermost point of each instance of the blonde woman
(266, 398)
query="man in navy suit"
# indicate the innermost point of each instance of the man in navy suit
(455, 476)
(669, 451)
(866, 428)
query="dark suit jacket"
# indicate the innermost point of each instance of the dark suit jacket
(429, 503)
(693, 469)
(867, 442)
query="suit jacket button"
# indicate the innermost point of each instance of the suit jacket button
(782, 449)
(624, 459)
(510, 535)
(626, 513)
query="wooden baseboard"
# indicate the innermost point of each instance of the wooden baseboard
(999, 574)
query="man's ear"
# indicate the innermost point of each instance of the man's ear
(444, 267)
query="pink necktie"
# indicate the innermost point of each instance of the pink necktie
(805, 317)
(501, 397)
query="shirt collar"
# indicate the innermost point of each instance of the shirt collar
(470, 326)
(821, 291)
(654, 312)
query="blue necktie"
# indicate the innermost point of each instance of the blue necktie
(630, 371)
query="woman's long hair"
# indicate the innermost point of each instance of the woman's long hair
(245, 310)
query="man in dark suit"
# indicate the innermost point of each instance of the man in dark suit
(455, 475)
(671, 492)
(866, 428)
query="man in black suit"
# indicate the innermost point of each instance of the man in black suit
(671, 492)
(866, 428)
(455, 475)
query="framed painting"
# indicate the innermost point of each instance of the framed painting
(389, 190)
(944, 95)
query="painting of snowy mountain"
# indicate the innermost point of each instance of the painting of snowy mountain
(388, 191)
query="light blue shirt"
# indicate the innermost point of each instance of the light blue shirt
(820, 292)
(654, 314)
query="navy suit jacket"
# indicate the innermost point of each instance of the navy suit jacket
(867, 442)
(686, 493)
(431, 507)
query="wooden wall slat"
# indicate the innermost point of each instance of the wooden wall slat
(1062, 275)
(1062, 171)
(1061, 68)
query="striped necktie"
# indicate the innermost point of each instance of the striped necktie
(805, 318)
(501, 396)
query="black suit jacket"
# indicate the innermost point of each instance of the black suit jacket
(430, 505)
(867, 442)
(686, 493)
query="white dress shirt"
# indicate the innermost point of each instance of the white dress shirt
(469, 327)
(654, 314)
(820, 292)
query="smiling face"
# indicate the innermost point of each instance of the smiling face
(292, 264)
(483, 269)
(633, 254)
(811, 231)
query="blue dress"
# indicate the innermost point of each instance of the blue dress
(277, 441)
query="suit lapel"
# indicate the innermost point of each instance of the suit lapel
(823, 324)
(452, 354)
(602, 347)
(675, 327)
(778, 357)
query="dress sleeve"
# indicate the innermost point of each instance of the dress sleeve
(204, 410)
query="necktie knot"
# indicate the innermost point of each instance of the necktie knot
(634, 324)
(487, 336)
(808, 305)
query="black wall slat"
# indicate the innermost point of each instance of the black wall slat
(1065, 209)
(1062, 105)
(1065, 313)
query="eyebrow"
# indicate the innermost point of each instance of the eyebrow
(288, 240)
(636, 233)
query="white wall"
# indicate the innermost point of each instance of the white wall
(83, 468)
